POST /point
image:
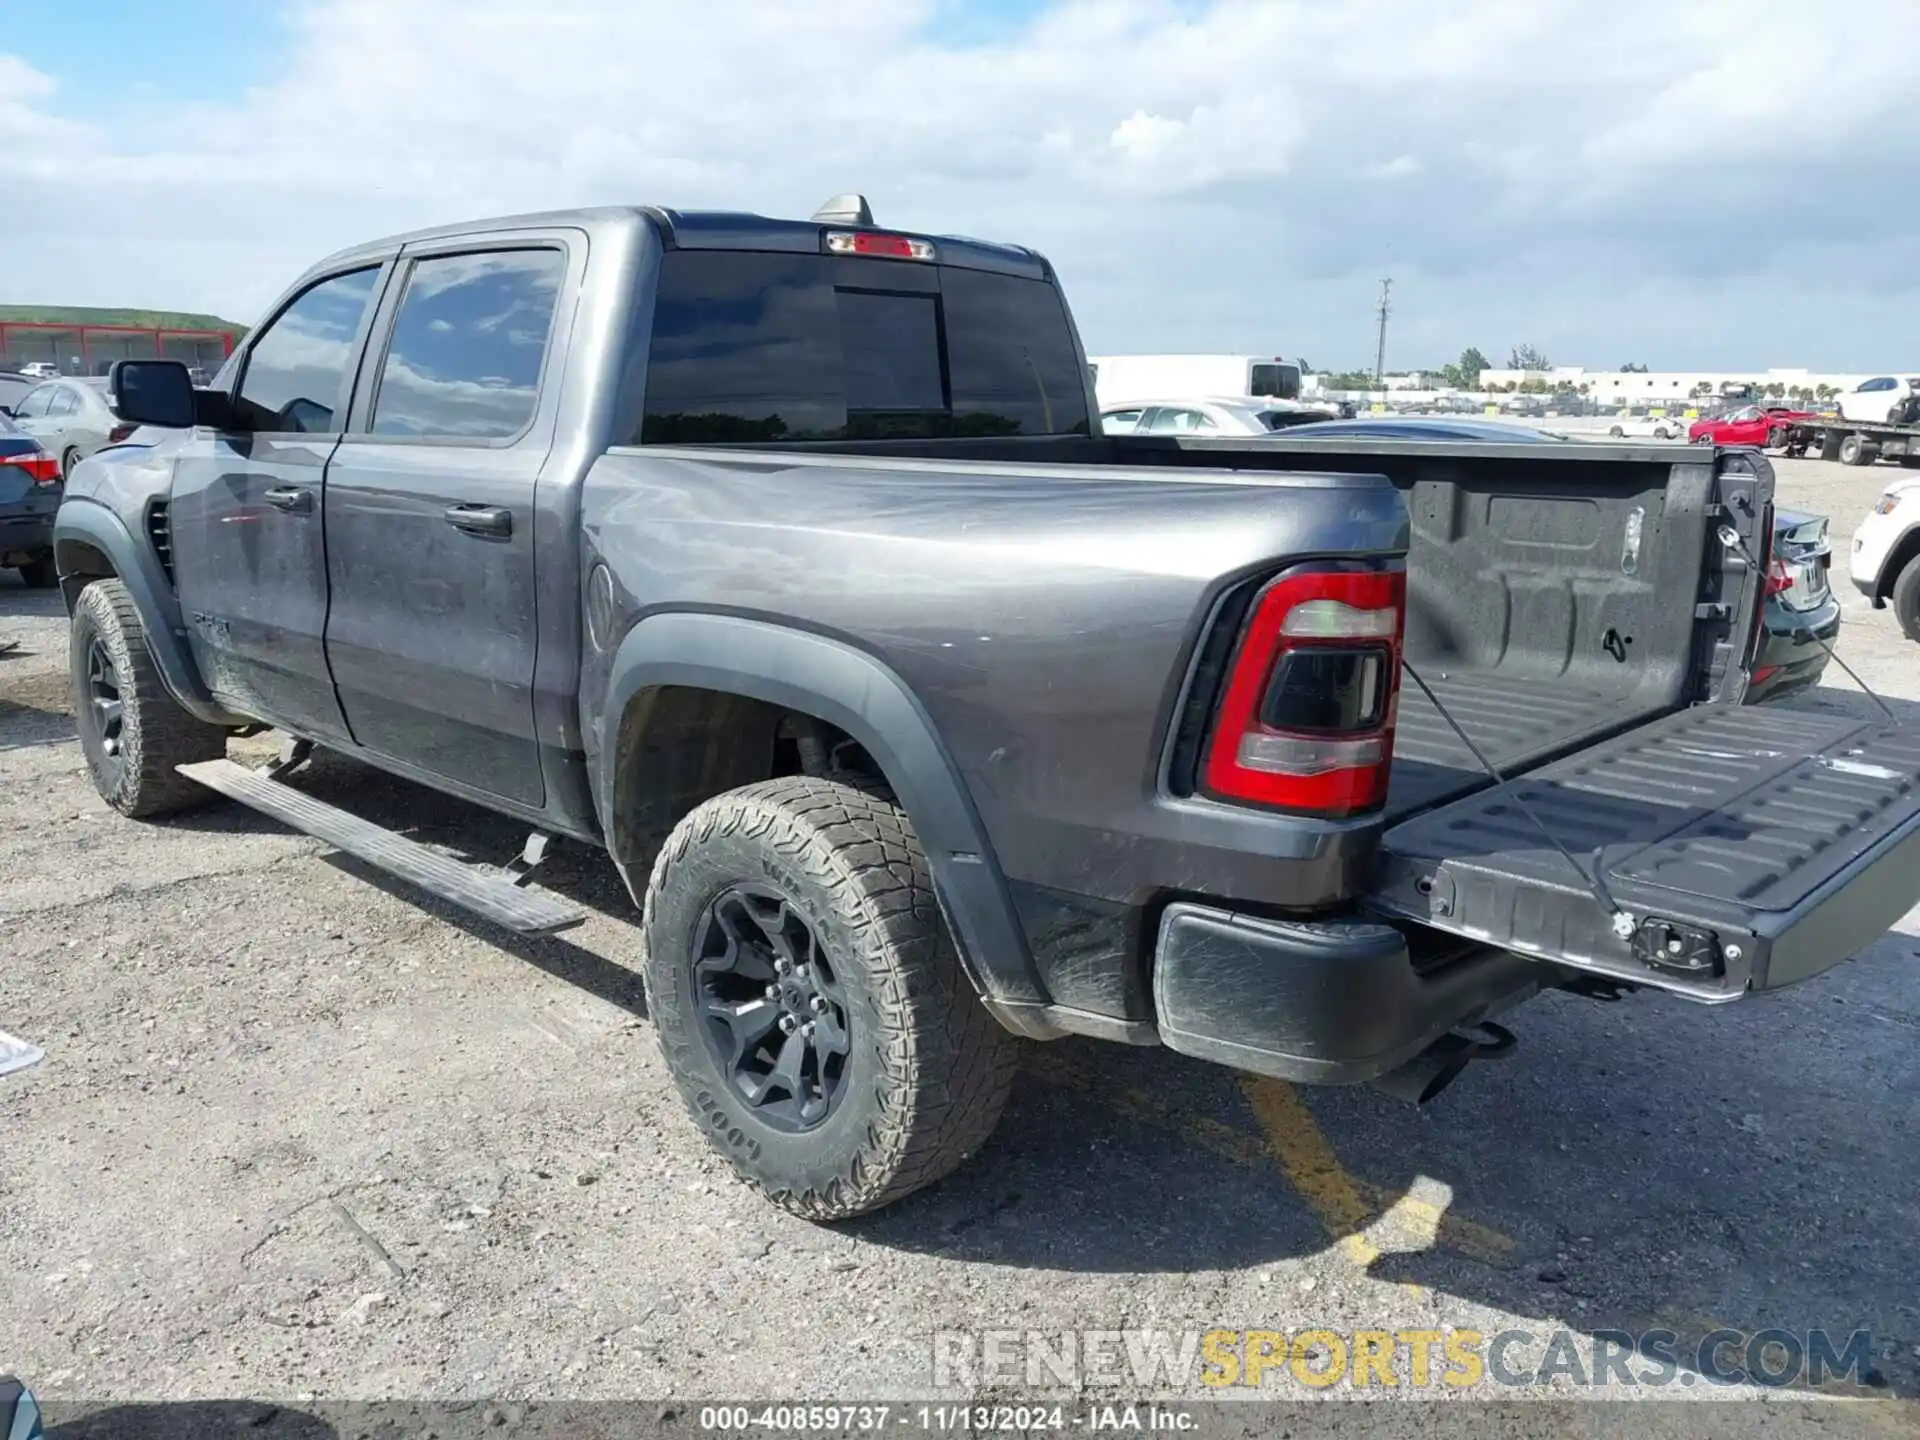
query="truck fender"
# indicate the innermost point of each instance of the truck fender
(848, 688)
(81, 525)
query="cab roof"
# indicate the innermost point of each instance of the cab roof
(713, 230)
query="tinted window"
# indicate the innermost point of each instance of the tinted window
(468, 344)
(1282, 382)
(890, 346)
(1884, 383)
(753, 346)
(297, 369)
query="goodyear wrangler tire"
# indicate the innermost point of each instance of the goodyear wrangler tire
(131, 731)
(809, 1002)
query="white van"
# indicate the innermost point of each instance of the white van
(1119, 379)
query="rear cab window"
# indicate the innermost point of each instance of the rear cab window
(752, 346)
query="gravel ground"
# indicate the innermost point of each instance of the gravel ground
(299, 1136)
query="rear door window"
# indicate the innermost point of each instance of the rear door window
(751, 346)
(468, 345)
(61, 402)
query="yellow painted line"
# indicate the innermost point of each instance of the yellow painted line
(1421, 1223)
(1308, 1162)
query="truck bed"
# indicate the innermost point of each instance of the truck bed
(1517, 721)
(1551, 587)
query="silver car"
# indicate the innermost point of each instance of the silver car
(70, 418)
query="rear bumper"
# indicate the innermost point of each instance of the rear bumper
(26, 532)
(1328, 1004)
(1790, 658)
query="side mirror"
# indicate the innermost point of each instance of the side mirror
(152, 392)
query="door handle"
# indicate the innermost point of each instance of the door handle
(492, 520)
(294, 499)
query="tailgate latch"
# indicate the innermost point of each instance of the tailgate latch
(1677, 949)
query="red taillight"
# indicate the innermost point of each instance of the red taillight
(40, 466)
(1307, 720)
(886, 247)
(120, 432)
(1777, 578)
(1765, 673)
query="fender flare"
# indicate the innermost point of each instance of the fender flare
(138, 568)
(803, 671)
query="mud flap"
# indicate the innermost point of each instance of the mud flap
(1750, 846)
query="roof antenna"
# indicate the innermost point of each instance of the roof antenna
(845, 209)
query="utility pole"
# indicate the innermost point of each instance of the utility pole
(1380, 355)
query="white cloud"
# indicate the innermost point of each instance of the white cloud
(1634, 178)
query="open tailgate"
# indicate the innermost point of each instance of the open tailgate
(1751, 846)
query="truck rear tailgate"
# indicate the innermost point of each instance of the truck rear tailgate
(1751, 846)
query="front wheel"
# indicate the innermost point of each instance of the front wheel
(1616, 432)
(1905, 598)
(809, 1002)
(131, 730)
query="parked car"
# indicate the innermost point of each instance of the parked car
(71, 418)
(29, 496)
(1647, 427)
(1886, 554)
(40, 370)
(13, 388)
(1875, 400)
(1799, 611)
(1214, 416)
(1765, 426)
(917, 716)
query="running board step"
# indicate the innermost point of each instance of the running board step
(489, 894)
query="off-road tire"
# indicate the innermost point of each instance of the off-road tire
(929, 1068)
(1905, 598)
(155, 733)
(39, 574)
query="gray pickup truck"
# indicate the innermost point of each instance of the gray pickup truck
(786, 562)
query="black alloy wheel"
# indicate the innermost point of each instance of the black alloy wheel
(106, 710)
(773, 1013)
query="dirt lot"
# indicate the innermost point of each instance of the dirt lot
(296, 1135)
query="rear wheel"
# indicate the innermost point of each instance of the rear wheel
(40, 574)
(1776, 437)
(67, 462)
(1616, 432)
(1905, 598)
(1854, 450)
(131, 730)
(809, 1002)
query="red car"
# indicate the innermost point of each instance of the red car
(1763, 425)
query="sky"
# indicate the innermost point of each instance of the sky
(1727, 184)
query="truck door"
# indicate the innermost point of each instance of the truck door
(244, 518)
(433, 633)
